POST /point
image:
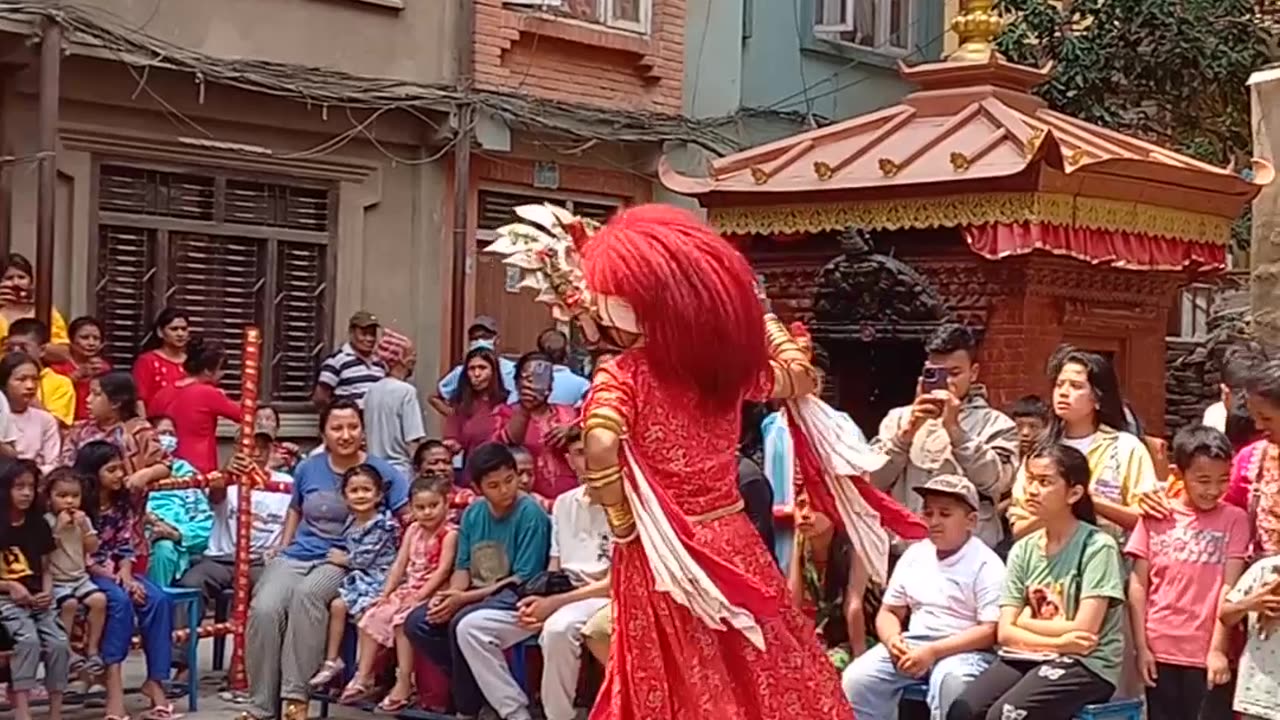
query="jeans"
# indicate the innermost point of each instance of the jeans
(874, 686)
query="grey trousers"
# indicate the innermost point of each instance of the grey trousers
(35, 632)
(286, 636)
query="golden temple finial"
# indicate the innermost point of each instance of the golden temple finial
(976, 25)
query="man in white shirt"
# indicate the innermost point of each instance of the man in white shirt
(951, 585)
(581, 547)
(214, 573)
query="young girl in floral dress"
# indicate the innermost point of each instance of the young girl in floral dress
(371, 535)
(422, 567)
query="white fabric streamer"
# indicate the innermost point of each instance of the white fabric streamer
(674, 571)
(836, 445)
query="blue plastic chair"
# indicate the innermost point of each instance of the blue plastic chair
(191, 598)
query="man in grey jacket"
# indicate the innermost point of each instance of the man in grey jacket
(949, 429)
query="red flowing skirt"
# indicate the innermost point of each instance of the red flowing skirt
(664, 664)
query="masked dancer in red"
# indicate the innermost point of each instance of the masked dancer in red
(704, 626)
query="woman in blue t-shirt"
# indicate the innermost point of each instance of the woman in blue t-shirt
(297, 585)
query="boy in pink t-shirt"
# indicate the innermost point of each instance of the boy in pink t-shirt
(1182, 566)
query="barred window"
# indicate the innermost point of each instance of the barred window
(229, 250)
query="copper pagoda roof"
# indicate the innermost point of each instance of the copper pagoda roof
(970, 145)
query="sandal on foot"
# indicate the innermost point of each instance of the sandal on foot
(392, 705)
(355, 691)
(328, 671)
(160, 712)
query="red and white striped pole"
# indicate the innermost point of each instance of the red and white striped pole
(250, 373)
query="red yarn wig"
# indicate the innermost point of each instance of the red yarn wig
(694, 296)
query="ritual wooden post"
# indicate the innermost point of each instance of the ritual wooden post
(250, 373)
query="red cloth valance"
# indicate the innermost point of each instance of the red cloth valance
(1131, 251)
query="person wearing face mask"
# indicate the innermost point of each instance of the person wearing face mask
(178, 522)
(196, 402)
(482, 334)
(349, 372)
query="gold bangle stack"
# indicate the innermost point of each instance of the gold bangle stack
(604, 419)
(782, 347)
(621, 521)
(604, 477)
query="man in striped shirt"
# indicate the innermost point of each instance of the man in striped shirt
(350, 371)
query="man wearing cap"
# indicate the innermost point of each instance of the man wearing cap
(483, 332)
(950, 584)
(392, 415)
(354, 368)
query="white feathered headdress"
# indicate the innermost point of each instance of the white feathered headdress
(547, 250)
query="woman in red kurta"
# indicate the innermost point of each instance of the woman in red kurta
(196, 402)
(86, 361)
(479, 392)
(165, 350)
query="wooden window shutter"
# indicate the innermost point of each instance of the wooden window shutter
(299, 340)
(126, 265)
(219, 281)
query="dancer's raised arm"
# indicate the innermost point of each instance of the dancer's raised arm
(793, 372)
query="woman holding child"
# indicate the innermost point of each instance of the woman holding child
(298, 585)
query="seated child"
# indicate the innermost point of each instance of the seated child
(1061, 623)
(1181, 564)
(422, 567)
(75, 539)
(524, 474)
(950, 584)
(26, 591)
(370, 536)
(1256, 598)
(829, 584)
(508, 536)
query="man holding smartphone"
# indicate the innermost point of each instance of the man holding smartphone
(950, 429)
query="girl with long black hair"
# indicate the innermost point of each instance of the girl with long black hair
(1088, 415)
(164, 353)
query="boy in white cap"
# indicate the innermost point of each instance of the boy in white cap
(951, 585)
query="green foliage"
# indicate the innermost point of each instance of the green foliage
(1170, 71)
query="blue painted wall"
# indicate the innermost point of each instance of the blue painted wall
(760, 59)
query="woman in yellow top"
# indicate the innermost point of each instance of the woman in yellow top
(1087, 409)
(17, 301)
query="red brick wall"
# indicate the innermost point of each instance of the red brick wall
(575, 61)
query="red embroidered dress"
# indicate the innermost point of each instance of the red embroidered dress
(666, 664)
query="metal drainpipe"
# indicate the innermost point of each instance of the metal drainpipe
(462, 179)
